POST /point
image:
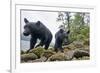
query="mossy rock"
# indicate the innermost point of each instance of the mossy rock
(70, 46)
(57, 57)
(38, 51)
(48, 53)
(42, 59)
(86, 42)
(76, 54)
(69, 54)
(27, 57)
(23, 52)
(85, 58)
(78, 44)
(51, 48)
(74, 58)
(66, 49)
(80, 53)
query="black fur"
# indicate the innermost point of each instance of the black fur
(59, 39)
(37, 30)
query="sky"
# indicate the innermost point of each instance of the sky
(47, 18)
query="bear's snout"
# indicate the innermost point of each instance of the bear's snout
(25, 34)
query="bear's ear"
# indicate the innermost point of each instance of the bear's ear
(38, 23)
(68, 31)
(61, 30)
(25, 20)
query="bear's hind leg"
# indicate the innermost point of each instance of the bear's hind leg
(40, 44)
(61, 49)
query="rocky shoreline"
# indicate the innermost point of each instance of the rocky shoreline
(71, 52)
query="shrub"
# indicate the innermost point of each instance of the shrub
(81, 33)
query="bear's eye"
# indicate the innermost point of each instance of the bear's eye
(26, 26)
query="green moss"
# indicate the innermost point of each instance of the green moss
(48, 53)
(38, 51)
(23, 52)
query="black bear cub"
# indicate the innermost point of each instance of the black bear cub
(59, 39)
(37, 30)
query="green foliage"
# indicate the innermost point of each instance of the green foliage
(77, 19)
(79, 34)
(79, 29)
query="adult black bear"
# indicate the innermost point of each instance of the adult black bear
(59, 39)
(37, 30)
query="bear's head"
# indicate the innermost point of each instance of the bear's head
(31, 27)
(64, 33)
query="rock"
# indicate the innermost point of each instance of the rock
(80, 53)
(51, 48)
(66, 47)
(38, 51)
(77, 53)
(42, 59)
(66, 50)
(48, 53)
(27, 57)
(69, 54)
(70, 46)
(86, 42)
(85, 58)
(78, 44)
(57, 57)
(23, 52)
(74, 58)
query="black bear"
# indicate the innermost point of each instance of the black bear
(59, 39)
(37, 30)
